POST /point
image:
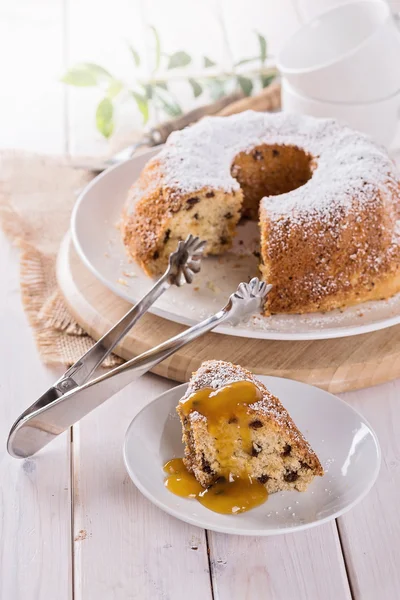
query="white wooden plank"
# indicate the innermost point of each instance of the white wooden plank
(370, 533)
(305, 566)
(126, 548)
(32, 98)
(35, 528)
(99, 33)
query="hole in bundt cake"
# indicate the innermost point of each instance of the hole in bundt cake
(269, 171)
(213, 214)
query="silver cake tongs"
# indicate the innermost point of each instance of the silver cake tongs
(73, 396)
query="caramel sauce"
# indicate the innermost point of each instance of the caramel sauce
(229, 422)
(179, 481)
(233, 497)
(228, 419)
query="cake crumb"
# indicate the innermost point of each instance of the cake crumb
(122, 281)
(211, 286)
(129, 274)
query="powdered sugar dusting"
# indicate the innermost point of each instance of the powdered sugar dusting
(352, 176)
(347, 161)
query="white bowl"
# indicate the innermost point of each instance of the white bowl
(377, 119)
(348, 54)
(310, 9)
(345, 443)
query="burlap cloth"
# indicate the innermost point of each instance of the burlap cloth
(36, 198)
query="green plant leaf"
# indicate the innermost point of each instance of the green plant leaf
(266, 80)
(104, 117)
(179, 59)
(135, 55)
(246, 84)
(148, 88)
(217, 88)
(143, 105)
(96, 69)
(263, 47)
(196, 87)
(169, 106)
(208, 62)
(244, 61)
(79, 78)
(86, 75)
(114, 88)
(157, 57)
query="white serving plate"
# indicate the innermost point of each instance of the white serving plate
(345, 443)
(98, 242)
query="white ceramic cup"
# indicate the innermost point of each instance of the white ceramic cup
(351, 53)
(377, 119)
(310, 9)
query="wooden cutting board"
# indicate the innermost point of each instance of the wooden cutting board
(336, 365)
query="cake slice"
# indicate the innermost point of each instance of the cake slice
(233, 427)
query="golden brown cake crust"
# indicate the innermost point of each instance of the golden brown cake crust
(327, 199)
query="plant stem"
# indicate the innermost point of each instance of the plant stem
(205, 75)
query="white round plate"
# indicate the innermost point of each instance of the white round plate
(345, 443)
(98, 243)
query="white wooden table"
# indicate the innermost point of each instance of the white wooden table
(72, 525)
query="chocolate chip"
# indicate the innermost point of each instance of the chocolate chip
(257, 155)
(210, 195)
(196, 216)
(233, 419)
(223, 240)
(290, 278)
(167, 234)
(255, 424)
(291, 476)
(263, 478)
(286, 450)
(275, 152)
(241, 242)
(304, 465)
(191, 202)
(257, 254)
(156, 255)
(205, 465)
(228, 215)
(256, 449)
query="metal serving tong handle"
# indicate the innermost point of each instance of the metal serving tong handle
(41, 425)
(183, 264)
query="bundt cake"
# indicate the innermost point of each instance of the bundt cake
(327, 200)
(233, 427)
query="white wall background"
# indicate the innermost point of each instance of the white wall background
(39, 39)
